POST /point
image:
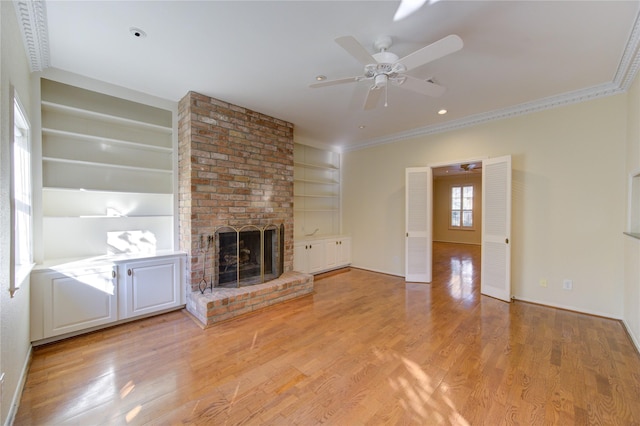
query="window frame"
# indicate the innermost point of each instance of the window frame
(21, 266)
(461, 210)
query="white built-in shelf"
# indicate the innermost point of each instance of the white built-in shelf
(316, 190)
(99, 116)
(107, 165)
(102, 139)
(318, 181)
(317, 166)
(316, 195)
(96, 164)
(101, 217)
(316, 210)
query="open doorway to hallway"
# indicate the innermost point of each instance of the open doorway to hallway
(457, 225)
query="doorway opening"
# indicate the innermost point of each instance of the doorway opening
(496, 226)
(457, 225)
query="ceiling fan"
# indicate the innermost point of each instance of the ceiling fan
(385, 67)
(471, 167)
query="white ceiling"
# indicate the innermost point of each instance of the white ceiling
(518, 56)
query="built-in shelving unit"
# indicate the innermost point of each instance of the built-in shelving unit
(107, 165)
(316, 191)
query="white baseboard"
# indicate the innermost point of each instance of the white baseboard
(633, 337)
(376, 270)
(567, 308)
(17, 395)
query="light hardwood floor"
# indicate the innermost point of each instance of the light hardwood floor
(366, 348)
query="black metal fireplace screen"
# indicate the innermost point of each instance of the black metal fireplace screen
(247, 255)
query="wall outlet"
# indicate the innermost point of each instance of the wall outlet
(567, 285)
(543, 282)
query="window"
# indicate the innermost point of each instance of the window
(21, 198)
(461, 207)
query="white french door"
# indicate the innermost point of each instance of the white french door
(496, 228)
(418, 222)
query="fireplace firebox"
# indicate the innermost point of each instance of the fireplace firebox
(248, 255)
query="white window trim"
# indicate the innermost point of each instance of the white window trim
(19, 272)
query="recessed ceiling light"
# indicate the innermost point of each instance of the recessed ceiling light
(137, 32)
(321, 77)
(361, 127)
(442, 112)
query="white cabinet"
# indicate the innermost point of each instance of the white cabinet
(320, 255)
(149, 286)
(338, 252)
(75, 300)
(309, 256)
(70, 298)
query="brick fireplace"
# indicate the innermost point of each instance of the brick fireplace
(235, 168)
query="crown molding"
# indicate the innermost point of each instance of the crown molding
(32, 18)
(577, 96)
(623, 78)
(630, 62)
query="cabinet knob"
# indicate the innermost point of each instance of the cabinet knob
(113, 274)
(337, 243)
(129, 272)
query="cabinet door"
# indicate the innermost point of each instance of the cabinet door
(316, 256)
(332, 248)
(78, 300)
(150, 286)
(300, 257)
(344, 252)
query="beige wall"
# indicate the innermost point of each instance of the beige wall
(569, 191)
(14, 312)
(631, 245)
(441, 209)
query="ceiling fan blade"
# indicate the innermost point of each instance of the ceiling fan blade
(423, 87)
(334, 82)
(372, 98)
(443, 47)
(355, 49)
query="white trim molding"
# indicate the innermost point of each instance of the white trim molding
(32, 18)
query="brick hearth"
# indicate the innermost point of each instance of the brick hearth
(235, 168)
(225, 303)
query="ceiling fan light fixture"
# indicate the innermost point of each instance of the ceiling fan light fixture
(379, 81)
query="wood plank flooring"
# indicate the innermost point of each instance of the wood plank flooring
(366, 348)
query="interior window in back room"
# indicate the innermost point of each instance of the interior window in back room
(461, 207)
